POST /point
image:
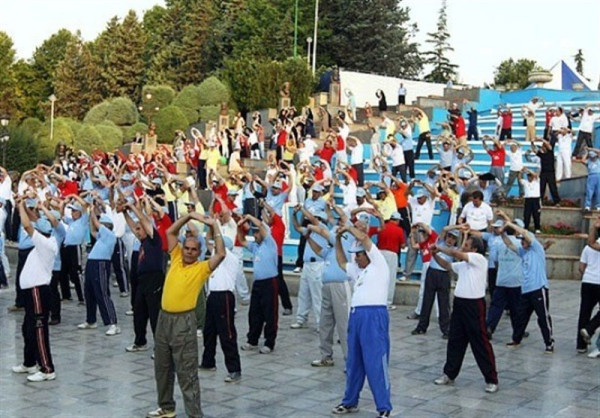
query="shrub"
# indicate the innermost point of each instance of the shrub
(212, 113)
(122, 111)
(168, 120)
(22, 140)
(130, 131)
(89, 138)
(75, 126)
(97, 113)
(160, 97)
(112, 136)
(559, 228)
(62, 133)
(213, 92)
(31, 126)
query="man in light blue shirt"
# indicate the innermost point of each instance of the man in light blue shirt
(58, 232)
(534, 290)
(264, 304)
(97, 275)
(77, 231)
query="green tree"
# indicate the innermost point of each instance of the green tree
(89, 139)
(511, 72)
(579, 60)
(443, 70)
(154, 98)
(25, 82)
(123, 60)
(8, 96)
(77, 81)
(31, 126)
(16, 159)
(45, 62)
(371, 36)
(62, 133)
(112, 136)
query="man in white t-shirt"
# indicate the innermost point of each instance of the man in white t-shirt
(357, 159)
(368, 325)
(35, 282)
(468, 313)
(589, 267)
(515, 156)
(477, 214)
(586, 127)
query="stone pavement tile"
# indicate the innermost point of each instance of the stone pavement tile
(577, 411)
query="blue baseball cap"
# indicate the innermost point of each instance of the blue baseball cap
(76, 206)
(105, 219)
(357, 247)
(30, 203)
(360, 192)
(43, 226)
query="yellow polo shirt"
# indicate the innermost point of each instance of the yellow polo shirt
(183, 283)
(386, 206)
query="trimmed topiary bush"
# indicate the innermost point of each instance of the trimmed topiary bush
(130, 131)
(62, 133)
(168, 120)
(213, 92)
(97, 113)
(31, 126)
(89, 138)
(153, 97)
(22, 151)
(112, 136)
(122, 111)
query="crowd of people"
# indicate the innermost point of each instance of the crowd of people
(178, 253)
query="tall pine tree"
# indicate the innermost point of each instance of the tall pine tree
(443, 70)
(579, 61)
(77, 82)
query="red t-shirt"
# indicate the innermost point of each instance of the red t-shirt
(221, 191)
(68, 188)
(390, 238)
(161, 226)
(281, 138)
(326, 153)
(278, 232)
(498, 157)
(425, 247)
(507, 121)
(341, 145)
(460, 127)
(352, 173)
(447, 200)
(549, 116)
(318, 173)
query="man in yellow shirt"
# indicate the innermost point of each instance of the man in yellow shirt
(176, 345)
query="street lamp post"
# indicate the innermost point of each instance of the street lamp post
(296, 29)
(52, 99)
(4, 136)
(314, 55)
(308, 41)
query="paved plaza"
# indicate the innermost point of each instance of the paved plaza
(97, 378)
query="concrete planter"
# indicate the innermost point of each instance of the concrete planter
(550, 215)
(565, 245)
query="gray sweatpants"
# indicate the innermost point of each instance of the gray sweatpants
(410, 261)
(512, 177)
(335, 308)
(391, 259)
(176, 351)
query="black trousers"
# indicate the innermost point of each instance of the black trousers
(472, 132)
(401, 100)
(492, 275)
(146, 305)
(20, 295)
(538, 301)
(70, 271)
(400, 169)
(590, 297)
(505, 134)
(264, 312)
(437, 282)
(55, 296)
(467, 327)
(301, 247)
(550, 180)
(582, 138)
(120, 266)
(133, 276)
(424, 138)
(35, 328)
(532, 208)
(3, 278)
(405, 222)
(503, 297)
(220, 322)
(360, 174)
(284, 293)
(201, 175)
(8, 225)
(409, 160)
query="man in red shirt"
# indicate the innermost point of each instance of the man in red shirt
(422, 238)
(506, 129)
(498, 154)
(390, 241)
(277, 226)
(327, 151)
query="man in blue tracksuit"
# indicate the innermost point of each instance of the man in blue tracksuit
(368, 325)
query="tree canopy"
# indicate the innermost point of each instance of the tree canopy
(511, 72)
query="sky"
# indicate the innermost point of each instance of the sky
(482, 32)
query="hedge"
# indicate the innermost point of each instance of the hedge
(168, 120)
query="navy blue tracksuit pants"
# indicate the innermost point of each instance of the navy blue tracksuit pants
(503, 297)
(119, 264)
(97, 292)
(538, 301)
(368, 355)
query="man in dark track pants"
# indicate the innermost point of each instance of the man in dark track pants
(119, 265)
(278, 232)
(77, 230)
(534, 290)
(25, 246)
(36, 276)
(58, 232)
(220, 314)
(264, 306)
(150, 276)
(467, 322)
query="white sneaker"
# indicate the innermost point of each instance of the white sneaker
(21, 368)
(124, 294)
(41, 376)
(491, 387)
(297, 325)
(199, 333)
(249, 347)
(587, 209)
(135, 348)
(594, 353)
(443, 380)
(401, 279)
(265, 350)
(85, 325)
(115, 283)
(298, 270)
(160, 413)
(129, 313)
(113, 330)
